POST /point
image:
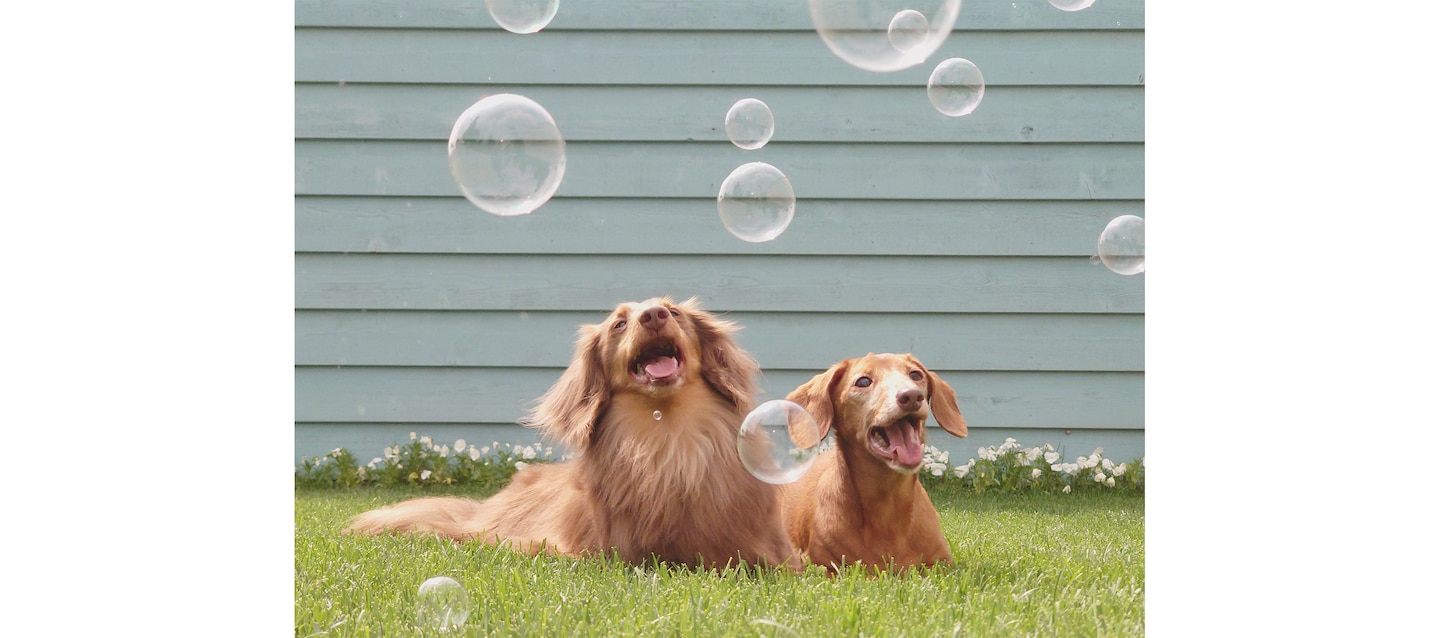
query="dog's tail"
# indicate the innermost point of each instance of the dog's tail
(447, 516)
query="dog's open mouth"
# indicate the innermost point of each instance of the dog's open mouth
(659, 363)
(899, 442)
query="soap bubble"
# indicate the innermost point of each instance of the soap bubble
(1122, 245)
(778, 441)
(1071, 5)
(860, 31)
(908, 29)
(443, 603)
(956, 87)
(522, 16)
(756, 202)
(506, 154)
(749, 124)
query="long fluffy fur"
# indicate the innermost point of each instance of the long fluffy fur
(671, 488)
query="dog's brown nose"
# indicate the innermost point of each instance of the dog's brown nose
(655, 317)
(910, 399)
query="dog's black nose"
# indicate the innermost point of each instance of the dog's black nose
(655, 317)
(910, 399)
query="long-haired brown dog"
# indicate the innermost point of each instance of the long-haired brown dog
(652, 403)
(863, 501)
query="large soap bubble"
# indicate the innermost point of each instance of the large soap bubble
(756, 202)
(522, 16)
(1122, 245)
(506, 154)
(442, 603)
(884, 35)
(778, 441)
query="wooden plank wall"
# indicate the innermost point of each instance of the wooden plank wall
(964, 240)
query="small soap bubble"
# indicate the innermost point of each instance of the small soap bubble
(522, 16)
(908, 29)
(956, 87)
(749, 124)
(778, 441)
(506, 154)
(657, 415)
(1071, 5)
(863, 33)
(756, 202)
(1122, 245)
(443, 603)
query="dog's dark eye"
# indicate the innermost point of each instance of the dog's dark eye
(863, 382)
(915, 375)
(618, 325)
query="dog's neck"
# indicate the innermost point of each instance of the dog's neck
(881, 492)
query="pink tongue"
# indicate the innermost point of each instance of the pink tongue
(904, 444)
(661, 367)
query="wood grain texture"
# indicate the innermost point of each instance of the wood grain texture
(1019, 114)
(429, 56)
(781, 340)
(689, 226)
(722, 282)
(696, 169)
(668, 15)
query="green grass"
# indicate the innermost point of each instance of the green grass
(1026, 565)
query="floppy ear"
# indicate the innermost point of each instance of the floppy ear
(815, 396)
(944, 406)
(728, 369)
(568, 411)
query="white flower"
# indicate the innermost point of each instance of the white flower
(1058, 467)
(485, 450)
(1099, 477)
(360, 472)
(1051, 457)
(1107, 464)
(444, 450)
(528, 452)
(961, 471)
(1110, 482)
(1032, 454)
(1120, 469)
(549, 451)
(426, 441)
(474, 454)
(459, 445)
(374, 461)
(412, 436)
(987, 453)
(520, 465)
(1036, 473)
(1066, 490)
(424, 475)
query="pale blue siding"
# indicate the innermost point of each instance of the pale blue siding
(964, 240)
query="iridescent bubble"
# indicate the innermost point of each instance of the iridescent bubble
(956, 87)
(1122, 245)
(506, 154)
(756, 202)
(778, 441)
(908, 29)
(749, 124)
(860, 31)
(657, 415)
(442, 603)
(522, 16)
(1071, 5)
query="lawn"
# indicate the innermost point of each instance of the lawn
(1026, 565)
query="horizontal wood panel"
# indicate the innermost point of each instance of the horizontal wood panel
(668, 15)
(416, 56)
(368, 440)
(692, 227)
(501, 395)
(696, 169)
(670, 113)
(741, 282)
(796, 341)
